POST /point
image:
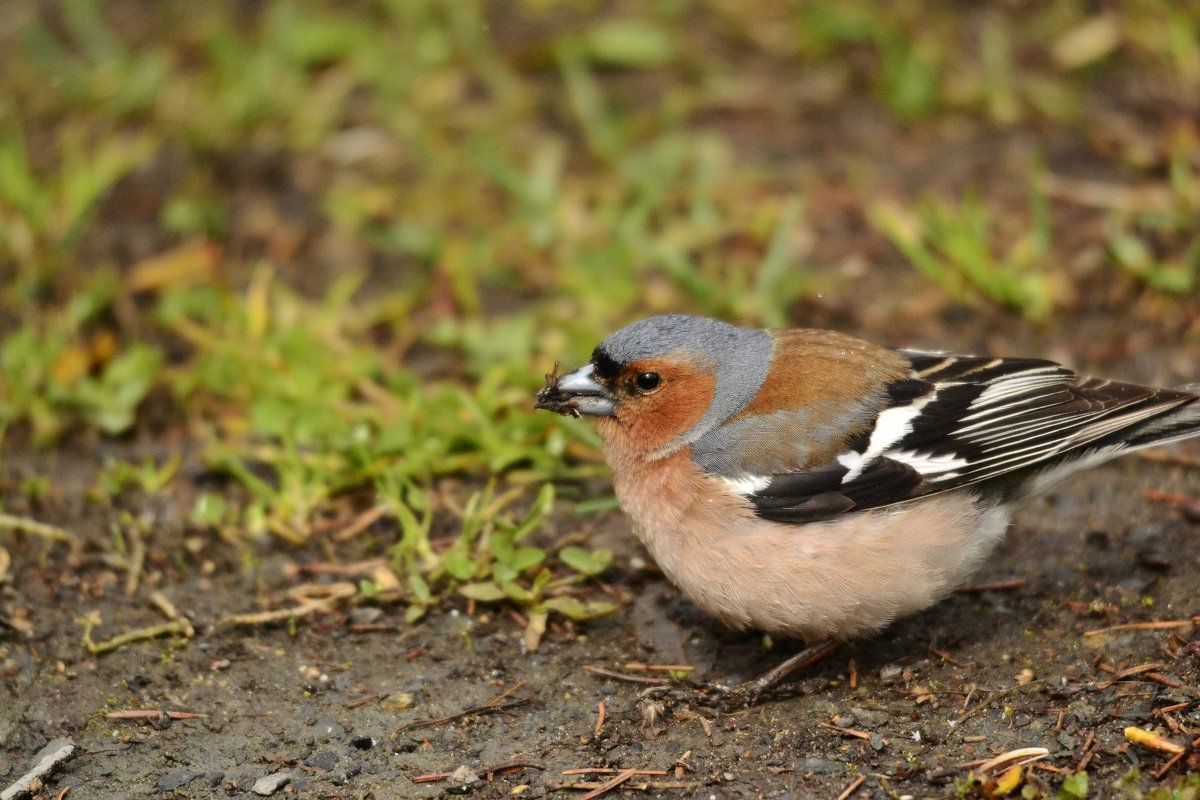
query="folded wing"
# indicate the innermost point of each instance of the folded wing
(957, 421)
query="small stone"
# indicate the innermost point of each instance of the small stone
(464, 775)
(176, 780)
(269, 784)
(396, 701)
(877, 743)
(365, 615)
(817, 766)
(727, 776)
(890, 672)
(323, 760)
(868, 718)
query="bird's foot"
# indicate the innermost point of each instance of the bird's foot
(746, 695)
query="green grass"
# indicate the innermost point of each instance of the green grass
(1161, 245)
(957, 246)
(336, 246)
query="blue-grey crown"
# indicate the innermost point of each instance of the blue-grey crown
(738, 357)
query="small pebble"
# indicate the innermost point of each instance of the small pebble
(464, 775)
(816, 766)
(890, 672)
(176, 780)
(365, 615)
(397, 701)
(269, 784)
(323, 760)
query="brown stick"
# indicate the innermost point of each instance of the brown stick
(845, 731)
(621, 676)
(853, 787)
(1144, 626)
(153, 713)
(470, 711)
(604, 788)
(609, 771)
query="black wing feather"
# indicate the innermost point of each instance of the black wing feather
(959, 421)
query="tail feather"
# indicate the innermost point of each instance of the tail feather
(1182, 423)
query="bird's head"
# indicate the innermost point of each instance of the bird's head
(665, 381)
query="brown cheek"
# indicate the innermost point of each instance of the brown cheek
(654, 420)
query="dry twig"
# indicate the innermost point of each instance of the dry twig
(612, 783)
(89, 622)
(136, 561)
(853, 787)
(32, 527)
(470, 711)
(493, 706)
(845, 731)
(1118, 675)
(153, 713)
(361, 701)
(1089, 750)
(609, 771)
(50, 756)
(360, 523)
(1144, 626)
(621, 676)
(1172, 761)
(329, 595)
(1018, 757)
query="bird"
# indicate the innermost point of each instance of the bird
(812, 484)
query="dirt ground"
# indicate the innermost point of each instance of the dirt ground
(1051, 648)
(347, 714)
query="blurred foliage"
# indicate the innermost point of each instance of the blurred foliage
(954, 245)
(340, 242)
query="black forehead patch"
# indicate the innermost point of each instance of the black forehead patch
(605, 365)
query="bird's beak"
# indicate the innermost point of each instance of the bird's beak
(575, 394)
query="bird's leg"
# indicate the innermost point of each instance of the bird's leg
(747, 694)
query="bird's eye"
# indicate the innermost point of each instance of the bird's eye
(647, 381)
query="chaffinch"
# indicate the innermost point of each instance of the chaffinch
(809, 483)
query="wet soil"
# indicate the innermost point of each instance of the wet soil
(356, 703)
(346, 703)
